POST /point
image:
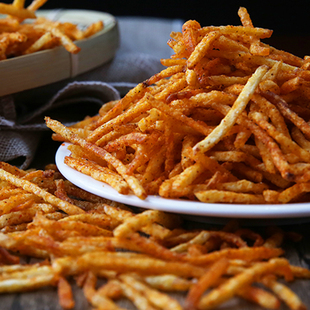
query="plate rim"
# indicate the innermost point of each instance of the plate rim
(194, 208)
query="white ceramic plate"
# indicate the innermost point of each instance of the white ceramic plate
(197, 209)
(53, 65)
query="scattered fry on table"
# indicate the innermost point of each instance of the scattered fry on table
(141, 256)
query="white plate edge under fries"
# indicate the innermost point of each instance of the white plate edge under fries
(56, 64)
(219, 210)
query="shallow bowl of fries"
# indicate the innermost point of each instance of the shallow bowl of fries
(45, 46)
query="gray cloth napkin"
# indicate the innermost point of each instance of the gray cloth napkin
(143, 44)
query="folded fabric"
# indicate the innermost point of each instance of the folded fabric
(143, 43)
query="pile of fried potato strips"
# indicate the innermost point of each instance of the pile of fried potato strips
(226, 121)
(55, 234)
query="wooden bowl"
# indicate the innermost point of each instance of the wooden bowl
(49, 66)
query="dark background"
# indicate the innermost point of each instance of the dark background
(285, 17)
(290, 20)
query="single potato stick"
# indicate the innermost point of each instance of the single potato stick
(156, 298)
(16, 12)
(284, 293)
(39, 44)
(260, 296)
(206, 281)
(98, 173)
(65, 294)
(19, 3)
(231, 286)
(229, 120)
(94, 261)
(18, 284)
(36, 4)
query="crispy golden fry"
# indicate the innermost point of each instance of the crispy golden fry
(284, 293)
(213, 196)
(36, 4)
(63, 38)
(24, 280)
(19, 3)
(65, 294)
(137, 298)
(168, 283)
(156, 298)
(133, 224)
(205, 282)
(80, 228)
(121, 263)
(40, 43)
(93, 297)
(16, 11)
(98, 173)
(260, 296)
(230, 118)
(231, 287)
(92, 29)
(246, 253)
(201, 49)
